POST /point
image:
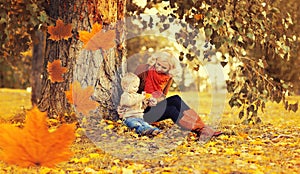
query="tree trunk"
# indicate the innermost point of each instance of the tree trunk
(39, 40)
(101, 69)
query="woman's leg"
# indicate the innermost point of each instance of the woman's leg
(175, 108)
(172, 107)
(177, 102)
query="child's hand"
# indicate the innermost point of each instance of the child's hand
(142, 96)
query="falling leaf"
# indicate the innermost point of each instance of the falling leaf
(81, 98)
(86, 36)
(104, 40)
(69, 95)
(55, 71)
(97, 38)
(34, 145)
(60, 31)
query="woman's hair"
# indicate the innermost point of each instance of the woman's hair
(129, 79)
(167, 55)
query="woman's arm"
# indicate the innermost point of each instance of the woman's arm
(167, 87)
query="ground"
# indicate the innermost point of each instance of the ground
(108, 147)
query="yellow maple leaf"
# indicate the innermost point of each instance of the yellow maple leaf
(85, 36)
(55, 71)
(34, 145)
(60, 31)
(81, 98)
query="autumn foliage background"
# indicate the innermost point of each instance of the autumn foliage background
(39, 142)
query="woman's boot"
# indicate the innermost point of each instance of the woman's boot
(192, 121)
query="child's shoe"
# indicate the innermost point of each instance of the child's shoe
(152, 131)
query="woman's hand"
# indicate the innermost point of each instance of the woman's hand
(152, 102)
(159, 96)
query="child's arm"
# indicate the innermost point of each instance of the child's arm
(131, 99)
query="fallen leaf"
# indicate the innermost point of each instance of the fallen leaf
(34, 145)
(60, 31)
(55, 71)
(94, 155)
(81, 98)
(108, 127)
(198, 16)
(89, 170)
(127, 171)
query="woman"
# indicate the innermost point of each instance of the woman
(156, 78)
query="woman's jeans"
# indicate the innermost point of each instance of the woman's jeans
(172, 107)
(138, 124)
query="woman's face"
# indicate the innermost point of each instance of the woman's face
(162, 66)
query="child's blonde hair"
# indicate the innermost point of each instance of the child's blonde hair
(167, 55)
(129, 79)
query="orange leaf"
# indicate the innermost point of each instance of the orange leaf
(81, 98)
(69, 95)
(198, 16)
(60, 31)
(85, 36)
(34, 145)
(55, 71)
(104, 40)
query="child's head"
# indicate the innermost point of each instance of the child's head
(166, 62)
(130, 83)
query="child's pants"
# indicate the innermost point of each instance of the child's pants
(139, 125)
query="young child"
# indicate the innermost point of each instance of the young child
(130, 107)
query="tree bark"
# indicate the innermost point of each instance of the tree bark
(38, 55)
(101, 69)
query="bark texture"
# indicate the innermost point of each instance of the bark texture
(37, 66)
(101, 68)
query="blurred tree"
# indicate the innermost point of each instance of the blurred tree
(18, 22)
(290, 72)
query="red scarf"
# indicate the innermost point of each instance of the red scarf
(155, 82)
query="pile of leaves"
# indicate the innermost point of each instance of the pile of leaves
(242, 149)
